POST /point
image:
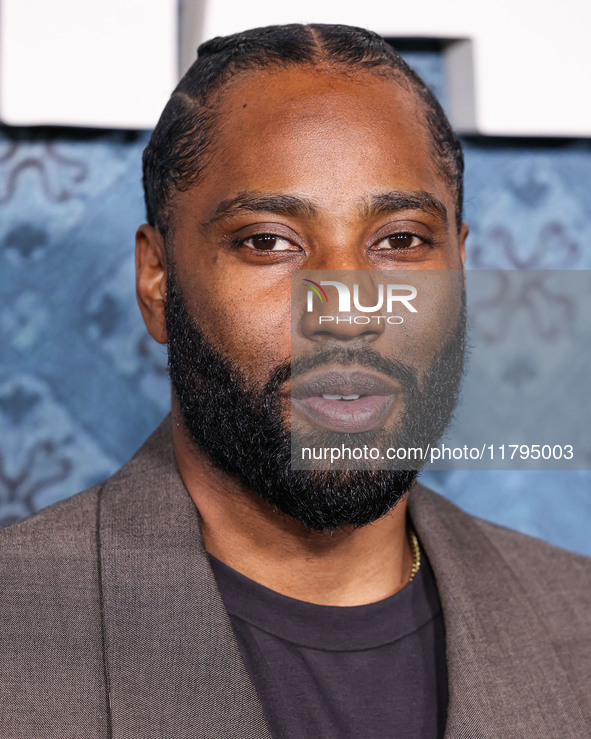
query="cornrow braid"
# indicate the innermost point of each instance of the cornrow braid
(180, 146)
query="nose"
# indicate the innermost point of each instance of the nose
(343, 317)
(341, 326)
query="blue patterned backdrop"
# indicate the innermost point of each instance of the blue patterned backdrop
(82, 384)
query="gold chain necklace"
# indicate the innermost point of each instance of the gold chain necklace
(416, 554)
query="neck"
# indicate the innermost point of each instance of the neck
(343, 568)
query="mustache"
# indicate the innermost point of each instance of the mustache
(365, 356)
(406, 375)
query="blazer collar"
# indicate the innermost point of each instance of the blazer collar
(173, 664)
(505, 678)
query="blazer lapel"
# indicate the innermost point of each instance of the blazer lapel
(173, 665)
(504, 675)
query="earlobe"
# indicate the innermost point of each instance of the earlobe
(150, 280)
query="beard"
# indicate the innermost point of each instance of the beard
(241, 429)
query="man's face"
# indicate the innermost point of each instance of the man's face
(310, 171)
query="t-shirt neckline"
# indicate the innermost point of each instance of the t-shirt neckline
(332, 628)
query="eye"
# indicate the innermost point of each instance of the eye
(268, 242)
(400, 241)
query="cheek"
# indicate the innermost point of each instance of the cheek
(424, 333)
(247, 327)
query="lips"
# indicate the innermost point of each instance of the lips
(345, 400)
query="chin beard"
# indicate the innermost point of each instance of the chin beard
(242, 432)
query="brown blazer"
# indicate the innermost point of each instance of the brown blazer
(111, 624)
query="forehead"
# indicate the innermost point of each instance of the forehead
(323, 133)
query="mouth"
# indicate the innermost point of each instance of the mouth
(345, 400)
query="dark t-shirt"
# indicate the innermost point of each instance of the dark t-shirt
(368, 671)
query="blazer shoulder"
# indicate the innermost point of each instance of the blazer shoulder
(65, 523)
(70, 526)
(538, 556)
(546, 572)
(557, 580)
(51, 650)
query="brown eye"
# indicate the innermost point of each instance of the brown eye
(268, 242)
(264, 242)
(402, 241)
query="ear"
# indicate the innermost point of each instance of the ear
(463, 235)
(150, 280)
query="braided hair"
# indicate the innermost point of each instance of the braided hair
(180, 145)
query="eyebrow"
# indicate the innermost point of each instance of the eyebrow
(248, 202)
(299, 207)
(396, 200)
